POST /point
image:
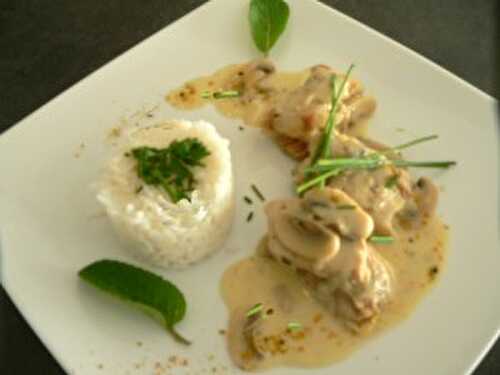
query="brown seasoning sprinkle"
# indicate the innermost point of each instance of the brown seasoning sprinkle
(433, 271)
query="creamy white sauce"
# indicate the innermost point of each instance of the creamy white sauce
(416, 257)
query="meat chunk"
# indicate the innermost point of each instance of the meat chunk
(301, 114)
(333, 257)
(422, 204)
(339, 212)
(368, 187)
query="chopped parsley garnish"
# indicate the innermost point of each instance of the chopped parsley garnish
(171, 168)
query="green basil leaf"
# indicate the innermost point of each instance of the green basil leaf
(157, 296)
(268, 19)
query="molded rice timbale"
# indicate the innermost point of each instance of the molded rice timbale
(148, 222)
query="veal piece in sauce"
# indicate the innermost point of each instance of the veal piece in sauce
(415, 260)
(319, 285)
(291, 107)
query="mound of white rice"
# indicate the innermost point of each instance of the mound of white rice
(148, 222)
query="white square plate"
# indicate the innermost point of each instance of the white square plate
(47, 207)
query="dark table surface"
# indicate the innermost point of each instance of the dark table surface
(46, 46)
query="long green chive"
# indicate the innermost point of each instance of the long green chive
(414, 142)
(258, 193)
(381, 240)
(294, 326)
(324, 147)
(351, 162)
(220, 94)
(367, 163)
(256, 309)
(332, 167)
(316, 180)
(324, 150)
(424, 164)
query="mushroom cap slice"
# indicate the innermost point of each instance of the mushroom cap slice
(339, 212)
(306, 238)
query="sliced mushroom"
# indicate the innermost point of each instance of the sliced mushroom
(306, 238)
(324, 238)
(295, 238)
(241, 342)
(337, 210)
(422, 205)
(256, 76)
(426, 195)
(287, 257)
(368, 188)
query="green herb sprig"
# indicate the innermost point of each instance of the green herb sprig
(157, 296)
(268, 20)
(171, 168)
